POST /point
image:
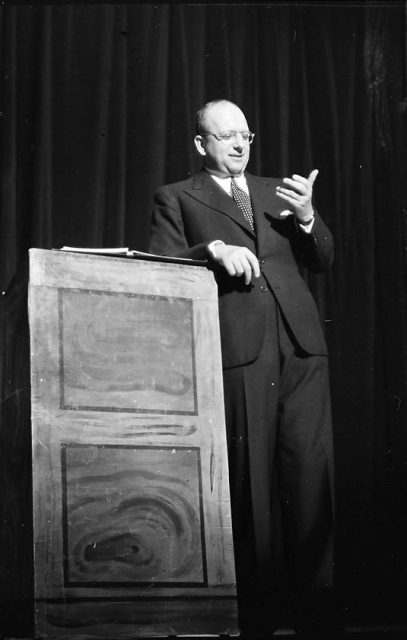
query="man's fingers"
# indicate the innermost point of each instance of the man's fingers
(298, 186)
(312, 176)
(254, 264)
(251, 267)
(247, 269)
(307, 182)
(239, 261)
(246, 264)
(290, 192)
(230, 268)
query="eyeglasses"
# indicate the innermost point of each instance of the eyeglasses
(226, 136)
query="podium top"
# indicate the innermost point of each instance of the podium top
(119, 273)
(125, 252)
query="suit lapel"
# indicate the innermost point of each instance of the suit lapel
(267, 206)
(205, 190)
(265, 202)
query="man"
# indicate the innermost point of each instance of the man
(254, 231)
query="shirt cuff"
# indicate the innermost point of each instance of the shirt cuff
(212, 247)
(308, 226)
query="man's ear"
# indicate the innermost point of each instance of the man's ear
(199, 143)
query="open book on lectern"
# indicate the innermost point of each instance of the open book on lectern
(125, 252)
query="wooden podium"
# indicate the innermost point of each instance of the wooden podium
(115, 498)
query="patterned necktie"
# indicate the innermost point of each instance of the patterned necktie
(242, 200)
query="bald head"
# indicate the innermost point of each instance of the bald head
(213, 105)
(222, 157)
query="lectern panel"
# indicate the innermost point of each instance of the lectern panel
(132, 515)
(126, 352)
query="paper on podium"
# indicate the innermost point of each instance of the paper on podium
(126, 252)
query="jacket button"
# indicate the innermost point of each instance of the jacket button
(263, 289)
(261, 261)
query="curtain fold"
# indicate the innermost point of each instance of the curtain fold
(97, 111)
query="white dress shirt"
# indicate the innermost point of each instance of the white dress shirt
(226, 183)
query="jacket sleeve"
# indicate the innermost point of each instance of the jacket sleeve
(314, 249)
(168, 236)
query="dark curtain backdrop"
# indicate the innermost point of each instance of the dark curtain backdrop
(97, 111)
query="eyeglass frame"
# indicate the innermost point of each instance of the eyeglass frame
(220, 136)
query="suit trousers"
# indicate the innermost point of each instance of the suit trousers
(279, 430)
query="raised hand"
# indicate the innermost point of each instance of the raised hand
(298, 194)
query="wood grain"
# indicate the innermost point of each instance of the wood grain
(133, 515)
(126, 352)
(130, 522)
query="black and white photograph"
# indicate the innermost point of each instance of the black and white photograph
(203, 320)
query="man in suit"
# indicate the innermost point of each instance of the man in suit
(254, 232)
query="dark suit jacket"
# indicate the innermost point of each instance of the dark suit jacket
(188, 215)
